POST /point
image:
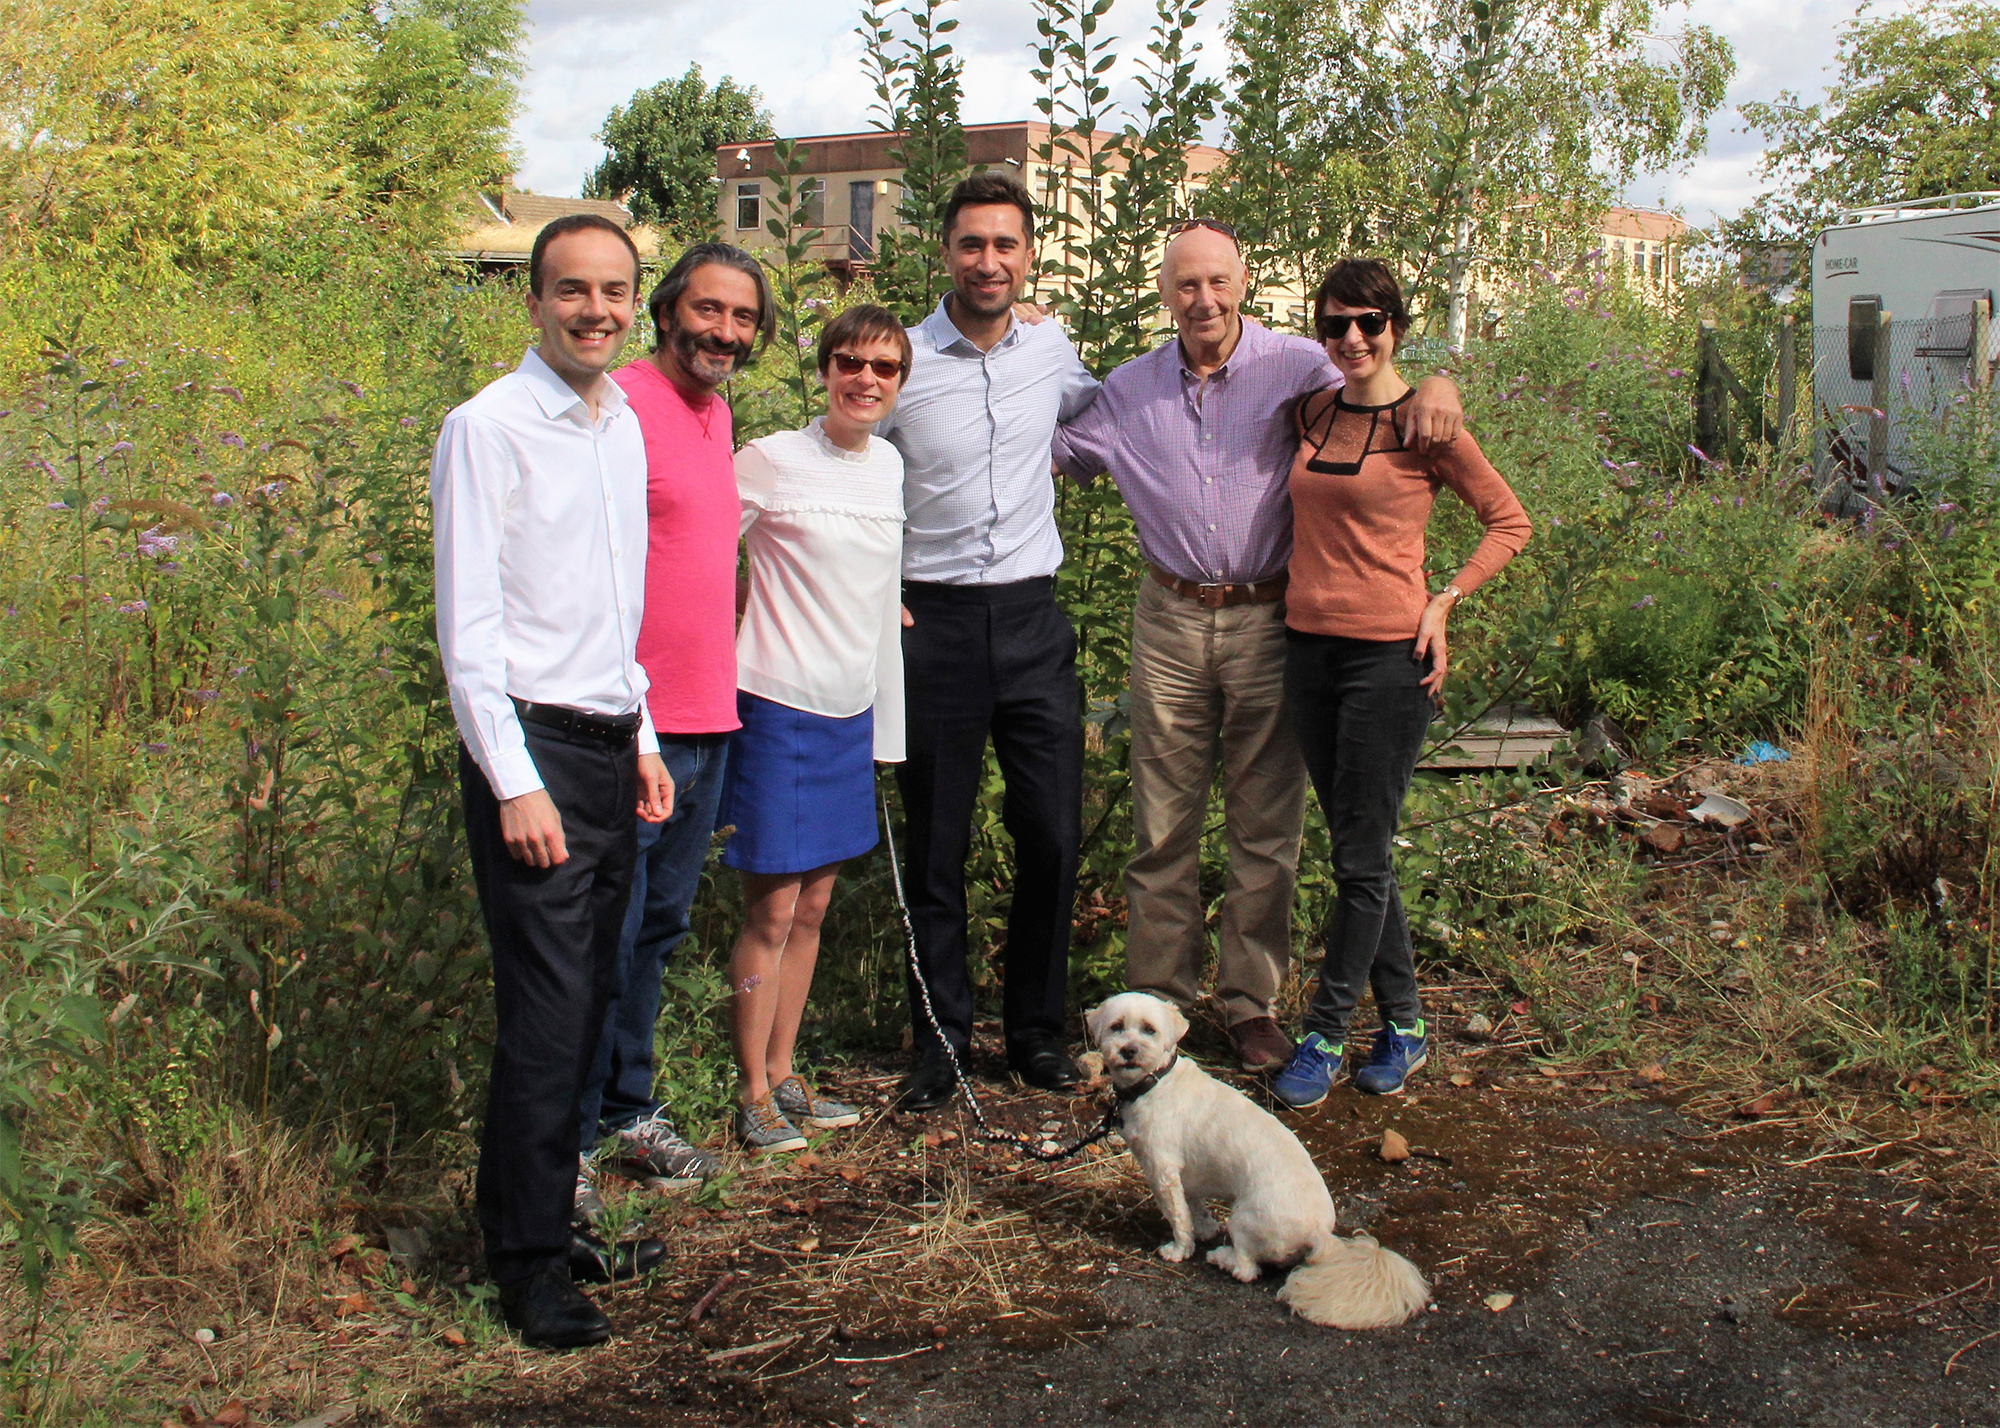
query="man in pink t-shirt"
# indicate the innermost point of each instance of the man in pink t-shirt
(709, 313)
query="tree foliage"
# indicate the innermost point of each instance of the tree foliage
(916, 76)
(1107, 201)
(435, 104)
(153, 134)
(1914, 113)
(661, 149)
(1454, 132)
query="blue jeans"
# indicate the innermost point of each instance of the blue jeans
(619, 1089)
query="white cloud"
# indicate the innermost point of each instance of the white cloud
(586, 55)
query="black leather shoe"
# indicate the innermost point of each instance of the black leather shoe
(550, 1312)
(592, 1261)
(929, 1086)
(1046, 1066)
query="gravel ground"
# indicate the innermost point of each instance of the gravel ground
(1663, 1270)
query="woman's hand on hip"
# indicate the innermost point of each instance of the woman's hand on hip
(1431, 641)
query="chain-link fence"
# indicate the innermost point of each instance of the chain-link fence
(1868, 392)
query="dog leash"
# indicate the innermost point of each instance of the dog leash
(987, 1130)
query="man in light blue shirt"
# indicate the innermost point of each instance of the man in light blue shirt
(988, 653)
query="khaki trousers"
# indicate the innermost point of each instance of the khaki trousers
(1208, 683)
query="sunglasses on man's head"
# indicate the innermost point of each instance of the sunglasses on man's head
(849, 365)
(1332, 329)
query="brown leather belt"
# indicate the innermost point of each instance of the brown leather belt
(1215, 597)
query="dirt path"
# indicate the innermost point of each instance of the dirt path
(1664, 1271)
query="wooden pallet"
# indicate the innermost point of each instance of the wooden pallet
(1509, 735)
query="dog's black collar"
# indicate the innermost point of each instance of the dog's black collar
(1128, 1094)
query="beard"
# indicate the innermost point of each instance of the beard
(705, 357)
(986, 307)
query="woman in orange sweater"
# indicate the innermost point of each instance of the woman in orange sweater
(1365, 658)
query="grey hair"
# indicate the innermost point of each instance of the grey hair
(699, 255)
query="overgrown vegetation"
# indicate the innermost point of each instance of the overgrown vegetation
(244, 986)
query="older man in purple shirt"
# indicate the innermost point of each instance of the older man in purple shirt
(1198, 435)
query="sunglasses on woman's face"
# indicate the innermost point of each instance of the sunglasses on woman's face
(848, 365)
(1332, 329)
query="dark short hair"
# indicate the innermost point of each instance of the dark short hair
(575, 223)
(1363, 282)
(858, 324)
(989, 186)
(666, 297)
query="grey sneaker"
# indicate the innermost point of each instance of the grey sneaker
(650, 1152)
(763, 1129)
(804, 1106)
(589, 1206)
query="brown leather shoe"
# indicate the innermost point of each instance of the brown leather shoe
(1260, 1044)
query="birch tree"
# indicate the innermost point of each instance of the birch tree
(1452, 134)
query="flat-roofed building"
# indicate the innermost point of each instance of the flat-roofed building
(856, 192)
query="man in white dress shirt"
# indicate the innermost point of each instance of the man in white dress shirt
(538, 492)
(988, 652)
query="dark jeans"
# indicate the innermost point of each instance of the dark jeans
(619, 1090)
(1361, 715)
(555, 958)
(999, 661)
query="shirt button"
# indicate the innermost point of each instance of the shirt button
(1208, 480)
(1211, 525)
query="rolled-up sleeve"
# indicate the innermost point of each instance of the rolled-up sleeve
(472, 475)
(1082, 446)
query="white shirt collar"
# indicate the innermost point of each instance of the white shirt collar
(556, 397)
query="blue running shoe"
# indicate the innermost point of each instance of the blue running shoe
(1398, 1052)
(1309, 1075)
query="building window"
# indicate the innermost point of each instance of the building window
(748, 205)
(813, 192)
(1659, 262)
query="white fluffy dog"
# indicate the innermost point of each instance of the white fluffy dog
(1197, 1139)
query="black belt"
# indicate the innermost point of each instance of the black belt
(613, 729)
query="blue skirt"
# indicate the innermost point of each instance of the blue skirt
(799, 788)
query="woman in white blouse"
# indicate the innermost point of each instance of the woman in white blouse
(820, 693)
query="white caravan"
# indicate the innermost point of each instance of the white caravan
(1927, 264)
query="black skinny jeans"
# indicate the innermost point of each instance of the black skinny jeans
(1360, 714)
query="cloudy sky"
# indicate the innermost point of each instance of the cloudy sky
(586, 55)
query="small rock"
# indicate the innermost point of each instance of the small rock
(1393, 1148)
(1498, 1302)
(1731, 1314)
(1663, 837)
(1477, 1027)
(807, 1245)
(408, 1246)
(1462, 1078)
